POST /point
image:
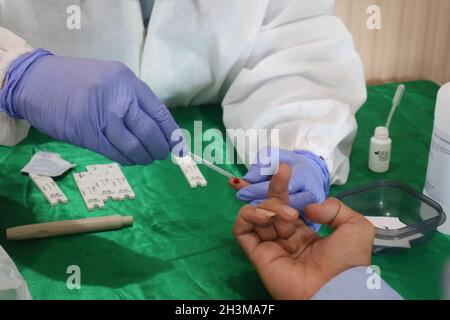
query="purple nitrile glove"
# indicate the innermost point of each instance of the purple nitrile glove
(310, 181)
(98, 105)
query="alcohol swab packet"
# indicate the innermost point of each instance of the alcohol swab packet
(386, 223)
(47, 164)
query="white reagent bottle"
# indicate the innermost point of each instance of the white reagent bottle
(381, 144)
(437, 184)
(380, 150)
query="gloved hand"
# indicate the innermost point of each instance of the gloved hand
(98, 105)
(309, 184)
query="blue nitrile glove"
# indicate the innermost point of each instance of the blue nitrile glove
(310, 181)
(99, 105)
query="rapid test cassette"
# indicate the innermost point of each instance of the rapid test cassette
(102, 182)
(49, 189)
(105, 186)
(89, 190)
(191, 172)
(113, 182)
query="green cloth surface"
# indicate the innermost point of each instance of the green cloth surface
(181, 244)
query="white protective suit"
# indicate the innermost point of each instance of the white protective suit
(285, 64)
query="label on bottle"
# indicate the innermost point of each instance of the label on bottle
(383, 156)
(379, 156)
(437, 184)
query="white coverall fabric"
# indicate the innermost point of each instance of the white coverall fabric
(273, 64)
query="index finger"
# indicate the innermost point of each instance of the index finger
(156, 110)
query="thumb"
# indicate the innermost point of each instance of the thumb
(332, 212)
(279, 184)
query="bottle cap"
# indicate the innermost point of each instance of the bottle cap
(381, 133)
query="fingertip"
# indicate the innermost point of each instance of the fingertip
(232, 183)
(290, 212)
(324, 213)
(285, 213)
(332, 199)
(284, 171)
(266, 213)
(246, 208)
(310, 209)
(237, 183)
(328, 202)
(257, 216)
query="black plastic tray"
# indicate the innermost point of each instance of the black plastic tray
(421, 214)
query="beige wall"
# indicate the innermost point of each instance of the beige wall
(414, 42)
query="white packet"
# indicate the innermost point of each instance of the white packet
(47, 164)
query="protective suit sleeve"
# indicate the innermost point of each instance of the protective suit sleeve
(303, 78)
(12, 284)
(12, 131)
(360, 283)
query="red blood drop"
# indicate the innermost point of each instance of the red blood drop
(236, 180)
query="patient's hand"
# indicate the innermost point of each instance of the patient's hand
(292, 260)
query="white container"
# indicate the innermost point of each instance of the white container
(380, 150)
(437, 185)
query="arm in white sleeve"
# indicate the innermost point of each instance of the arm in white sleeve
(12, 131)
(304, 78)
(357, 284)
(12, 284)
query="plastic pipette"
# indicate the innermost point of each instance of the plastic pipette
(211, 166)
(397, 99)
